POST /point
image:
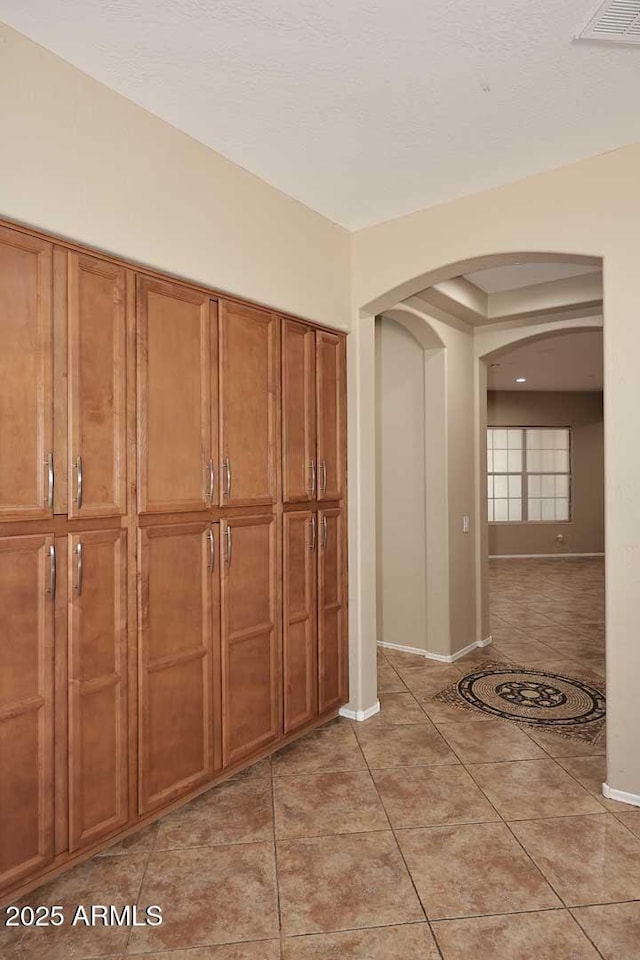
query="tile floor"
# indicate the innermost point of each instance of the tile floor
(426, 833)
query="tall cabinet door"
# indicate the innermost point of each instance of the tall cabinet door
(175, 456)
(251, 707)
(26, 397)
(248, 405)
(97, 387)
(27, 588)
(299, 641)
(331, 399)
(332, 637)
(98, 783)
(175, 667)
(299, 480)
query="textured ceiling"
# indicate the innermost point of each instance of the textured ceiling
(563, 361)
(362, 109)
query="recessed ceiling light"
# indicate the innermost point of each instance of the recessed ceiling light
(521, 379)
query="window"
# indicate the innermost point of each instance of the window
(529, 474)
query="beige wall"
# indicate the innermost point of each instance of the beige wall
(81, 161)
(582, 411)
(591, 208)
(400, 487)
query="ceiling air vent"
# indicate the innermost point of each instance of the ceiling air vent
(616, 21)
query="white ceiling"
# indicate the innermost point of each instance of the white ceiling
(563, 361)
(514, 276)
(362, 109)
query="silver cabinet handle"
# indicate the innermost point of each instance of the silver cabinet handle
(79, 482)
(50, 478)
(324, 476)
(227, 474)
(79, 569)
(227, 557)
(325, 534)
(212, 551)
(312, 467)
(52, 572)
(212, 479)
(313, 532)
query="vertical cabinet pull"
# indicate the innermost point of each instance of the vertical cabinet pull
(324, 476)
(52, 572)
(79, 569)
(227, 476)
(227, 554)
(313, 532)
(212, 479)
(212, 550)
(325, 534)
(79, 482)
(312, 468)
(50, 478)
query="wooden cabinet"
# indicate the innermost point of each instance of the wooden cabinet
(332, 636)
(26, 391)
(249, 405)
(177, 706)
(27, 589)
(299, 473)
(299, 603)
(98, 704)
(176, 339)
(96, 469)
(331, 399)
(251, 699)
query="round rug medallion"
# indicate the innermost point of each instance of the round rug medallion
(532, 696)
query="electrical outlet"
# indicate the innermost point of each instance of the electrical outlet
(560, 538)
(465, 524)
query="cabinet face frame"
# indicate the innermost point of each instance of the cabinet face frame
(80, 468)
(299, 468)
(39, 702)
(205, 455)
(80, 575)
(38, 388)
(299, 608)
(331, 415)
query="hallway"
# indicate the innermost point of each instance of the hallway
(425, 832)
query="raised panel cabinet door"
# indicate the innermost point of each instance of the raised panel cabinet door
(175, 456)
(333, 685)
(248, 405)
(98, 705)
(299, 475)
(26, 363)
(299, 640)
(251, 700)
(27, 591)
(96, 307)
(175, 661)
(331, 414)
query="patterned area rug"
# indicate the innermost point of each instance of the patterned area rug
(567, 706)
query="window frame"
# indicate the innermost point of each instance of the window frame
(524, 473)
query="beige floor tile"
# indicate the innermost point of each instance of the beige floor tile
(557, 746)
(473, 869)
(388, 679)
(631, 820)
(407, 942)
(209, 895)
(343, 883)
(486, 742)
(439, 712)
(526, 789)
(141, 842)
(238, 811)
(400, 708)
(526, 619)
(614, 929)
(327, 803)
(519, 648)
(548, 935)
(591, 772)
(104, 880)
(415, 744)
(588, 860)
(334, 747)
(257, 950)
(428, 684)
(431, 796)
(261, 768)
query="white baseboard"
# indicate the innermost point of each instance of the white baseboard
(439, 657)
(540, 556)
(620, 795)
(360, 714)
